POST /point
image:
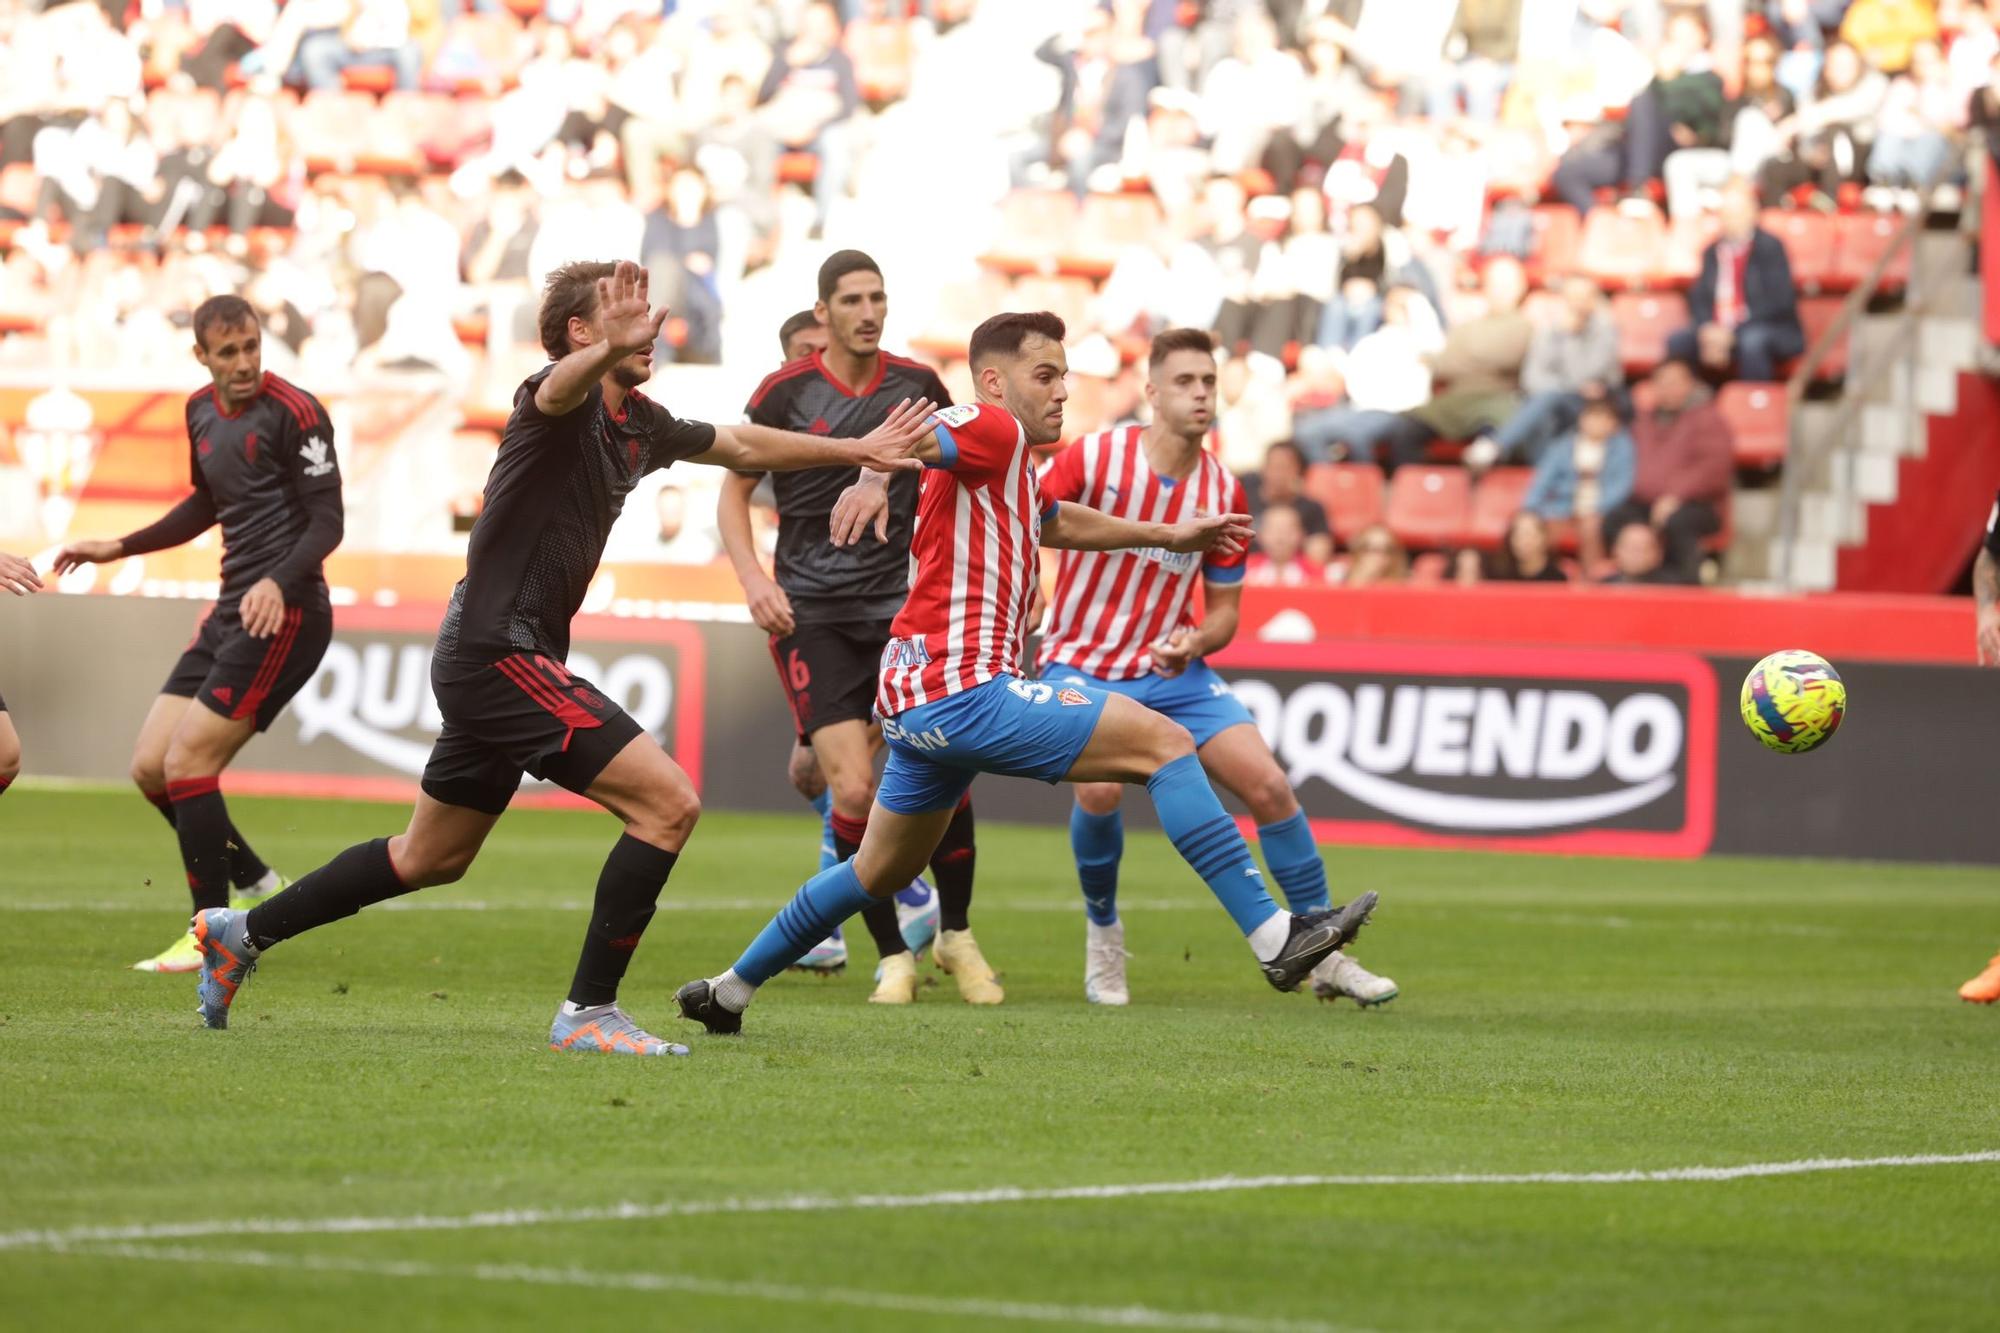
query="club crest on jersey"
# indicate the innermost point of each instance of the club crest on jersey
(1072, 698)
(313, 451)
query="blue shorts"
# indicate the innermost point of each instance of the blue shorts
(1198, 699)
(1017, 728)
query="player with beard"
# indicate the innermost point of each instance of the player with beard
(18, 577)
(954, 703)
(580, 438)
(829, 609)
(261, 456)
(1125, 622)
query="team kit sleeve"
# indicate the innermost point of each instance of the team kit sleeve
(315, 475)
(1063, 479)
(1218, 568)
(670, 439)
(975, 439)
(1993, 530)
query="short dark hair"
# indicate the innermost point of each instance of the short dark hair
(220, 312)
(805, 319)
(838, 265)
(570, 293)
(1166, 343)
(1003, 335)
(1685, 363)
(1287, 447)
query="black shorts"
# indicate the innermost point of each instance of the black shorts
(238, 676)
(830, 672)
(521, 714)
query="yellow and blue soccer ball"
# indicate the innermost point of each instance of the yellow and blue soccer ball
(1794, 701)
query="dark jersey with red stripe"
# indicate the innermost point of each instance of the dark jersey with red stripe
(257, 467)
(556, 487)
(869, 580)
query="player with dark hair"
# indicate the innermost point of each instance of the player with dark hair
(578, 441)
(828, 614)
(954, 703)
(262, 460)
(1985, 988)
(1124, 622)
(801, 335)
(18, 577)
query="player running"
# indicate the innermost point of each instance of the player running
(829, 611)
(262, 460)
(578, 441)
(1124, 622)
(954, 703)
(1985, 988)
(18, 577)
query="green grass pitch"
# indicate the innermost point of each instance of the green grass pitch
(1557, 1016)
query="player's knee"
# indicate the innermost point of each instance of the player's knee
(1269, 796)
(1167, 741)
(853, 794)
(10, 760)
(1099, 798)
(428, 867)
(149, 773)
(668, 817)
(184, 760)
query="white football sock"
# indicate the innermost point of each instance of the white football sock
(1269, 938)
(731, 991)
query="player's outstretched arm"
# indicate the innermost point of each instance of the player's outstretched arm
(183, 523)
(769, 607)
(18, 576)
(897, 445)
(1986, 592)
(1076, 527)
(630, 325)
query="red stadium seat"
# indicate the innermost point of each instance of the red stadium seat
(1809, 242)
(1645, 321)
(375, 79)
(1758, 418)
(1429, 506)
(1108, 226)
(798, 168)
(1035, 227)
(1351, 494)
(1816, 315)
(1687, 238)
(1495, 501)
(1557, 233)
(1861, 239)
(1621, 247)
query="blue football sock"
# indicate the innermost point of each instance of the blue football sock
(824, 804)
(1099, 843)
(1206, 837)
(1293, 856)
(826, 900)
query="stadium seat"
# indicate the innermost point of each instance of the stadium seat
(1860, 241)
(1809, 242)
(883, 52)
(1108, 225)
(1035, 227)
(798, 168)
(482, 54)
(1687, 238)
(1622, 248)
(1429, 506)
(1351, 494)
(373, 79)
(1645, 321)
(1495, 500)
(1556, 231)
(1759, 420)
(1817, 314)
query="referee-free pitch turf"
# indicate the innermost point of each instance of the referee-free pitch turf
(381, 1140)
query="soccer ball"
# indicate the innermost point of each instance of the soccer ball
(1793, 701)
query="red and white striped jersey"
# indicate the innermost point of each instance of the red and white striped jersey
(1110, 606)
(973, 563)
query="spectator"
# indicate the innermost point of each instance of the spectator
(809, 99)
(1485, 34)
(1802, 29)
(1686, 464)
(1825, 142)
(1585, 475)
(1282, 482)
(1279, 560)
(1387, 373)
(1526, 555)
(1680, 108)
(1480, 367)
(1982, 113)
(1912, 138)
(1378, 558)
(1468, 568)
(362, 34)
(1571, 358)
(681, 247)
(1372, 255)
(1745, 308)
(1888, 32)
(1252, 95)
(1749, 135)
(1638, 557)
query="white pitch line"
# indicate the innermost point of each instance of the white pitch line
(816, 1203)
(1119, 1316)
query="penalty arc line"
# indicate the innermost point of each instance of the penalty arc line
(808, 1203)
(1036, 1312)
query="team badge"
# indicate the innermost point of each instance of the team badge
(1069, 698)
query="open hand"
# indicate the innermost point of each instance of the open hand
(865, 502)
(629, 325)
(18, 576)
(78, 554)
(263, 609)
(770, 608)
(891, 446)
(1221, 534)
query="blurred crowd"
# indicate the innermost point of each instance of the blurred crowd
(1363, 198)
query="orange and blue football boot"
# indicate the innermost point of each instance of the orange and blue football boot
(608, 1030)
(223, 936)
(1984, 988)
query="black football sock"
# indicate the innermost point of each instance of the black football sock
(359, 876)
(245, 866)
(628, 890)
(880, 914)
(951, 868)
(202, 821)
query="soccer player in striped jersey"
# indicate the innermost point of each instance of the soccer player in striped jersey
(954, 703)
(18, 577)
(1124, 621)
(261, 457)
